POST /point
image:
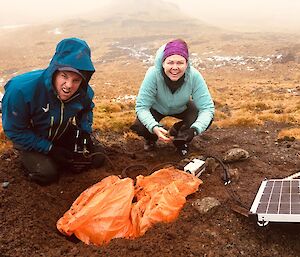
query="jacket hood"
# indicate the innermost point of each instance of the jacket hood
(75, 53)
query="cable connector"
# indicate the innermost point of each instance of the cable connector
(227, 182)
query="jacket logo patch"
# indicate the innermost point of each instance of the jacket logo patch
(47, 108)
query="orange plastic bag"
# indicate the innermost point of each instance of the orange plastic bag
(101, 212)
(160, 197)
(105, 210)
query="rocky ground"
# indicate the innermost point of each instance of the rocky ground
(28, 212)
(249, 74)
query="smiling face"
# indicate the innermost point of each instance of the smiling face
(175, 66)
(66, 83)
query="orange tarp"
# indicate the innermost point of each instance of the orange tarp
(106, 211)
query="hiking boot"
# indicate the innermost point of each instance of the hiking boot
(183, 150)
(149, 145)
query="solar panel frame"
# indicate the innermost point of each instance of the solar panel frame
(277, 200)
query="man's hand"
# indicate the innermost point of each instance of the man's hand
(60, 154)
(162, 134)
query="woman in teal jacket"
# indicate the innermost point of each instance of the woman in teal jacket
(173, 88)
(46, 112)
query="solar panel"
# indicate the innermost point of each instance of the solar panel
(277, 200)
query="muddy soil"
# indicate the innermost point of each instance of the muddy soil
(29, 212)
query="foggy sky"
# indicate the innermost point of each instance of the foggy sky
(41, 11)
(233, 14)
(253, 14)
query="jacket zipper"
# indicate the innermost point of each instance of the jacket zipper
(51, 126)
(70, 119)
(61, 119)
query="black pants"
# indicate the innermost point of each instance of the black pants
(187, 117)
(42, 169)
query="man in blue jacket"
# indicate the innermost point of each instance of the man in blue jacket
(47, 114)
(172, 87)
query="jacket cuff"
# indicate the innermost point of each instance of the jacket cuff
(156, 125)
(196, 131)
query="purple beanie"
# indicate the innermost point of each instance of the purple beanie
(177, 46)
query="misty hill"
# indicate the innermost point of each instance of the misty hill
(140, 9)
(135, 29)
(137, 18)
(134, 21)
(119, 19)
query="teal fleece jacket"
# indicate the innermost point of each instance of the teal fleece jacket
(154, 93)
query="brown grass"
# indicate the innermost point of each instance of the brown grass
(290, 133)
(243, 98)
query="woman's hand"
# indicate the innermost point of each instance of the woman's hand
(162, 134)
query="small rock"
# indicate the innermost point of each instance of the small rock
(235, 154)
(205, 204)
(5, 184)
(211, 164)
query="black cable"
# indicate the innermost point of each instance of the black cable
(227, 182)
(124, 171)
(235, 196)
(86, 155)
(226, 178)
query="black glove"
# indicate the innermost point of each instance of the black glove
(185, 134)
(175, 128)
(60, 154)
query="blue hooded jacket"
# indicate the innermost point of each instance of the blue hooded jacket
(33, 116)
(154, 93)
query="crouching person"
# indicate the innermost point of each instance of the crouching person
(173, 87)
(48, 114)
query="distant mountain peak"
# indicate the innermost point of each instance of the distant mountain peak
(141, 9)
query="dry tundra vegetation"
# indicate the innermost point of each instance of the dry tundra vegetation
(254, 79)
(243, 97)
